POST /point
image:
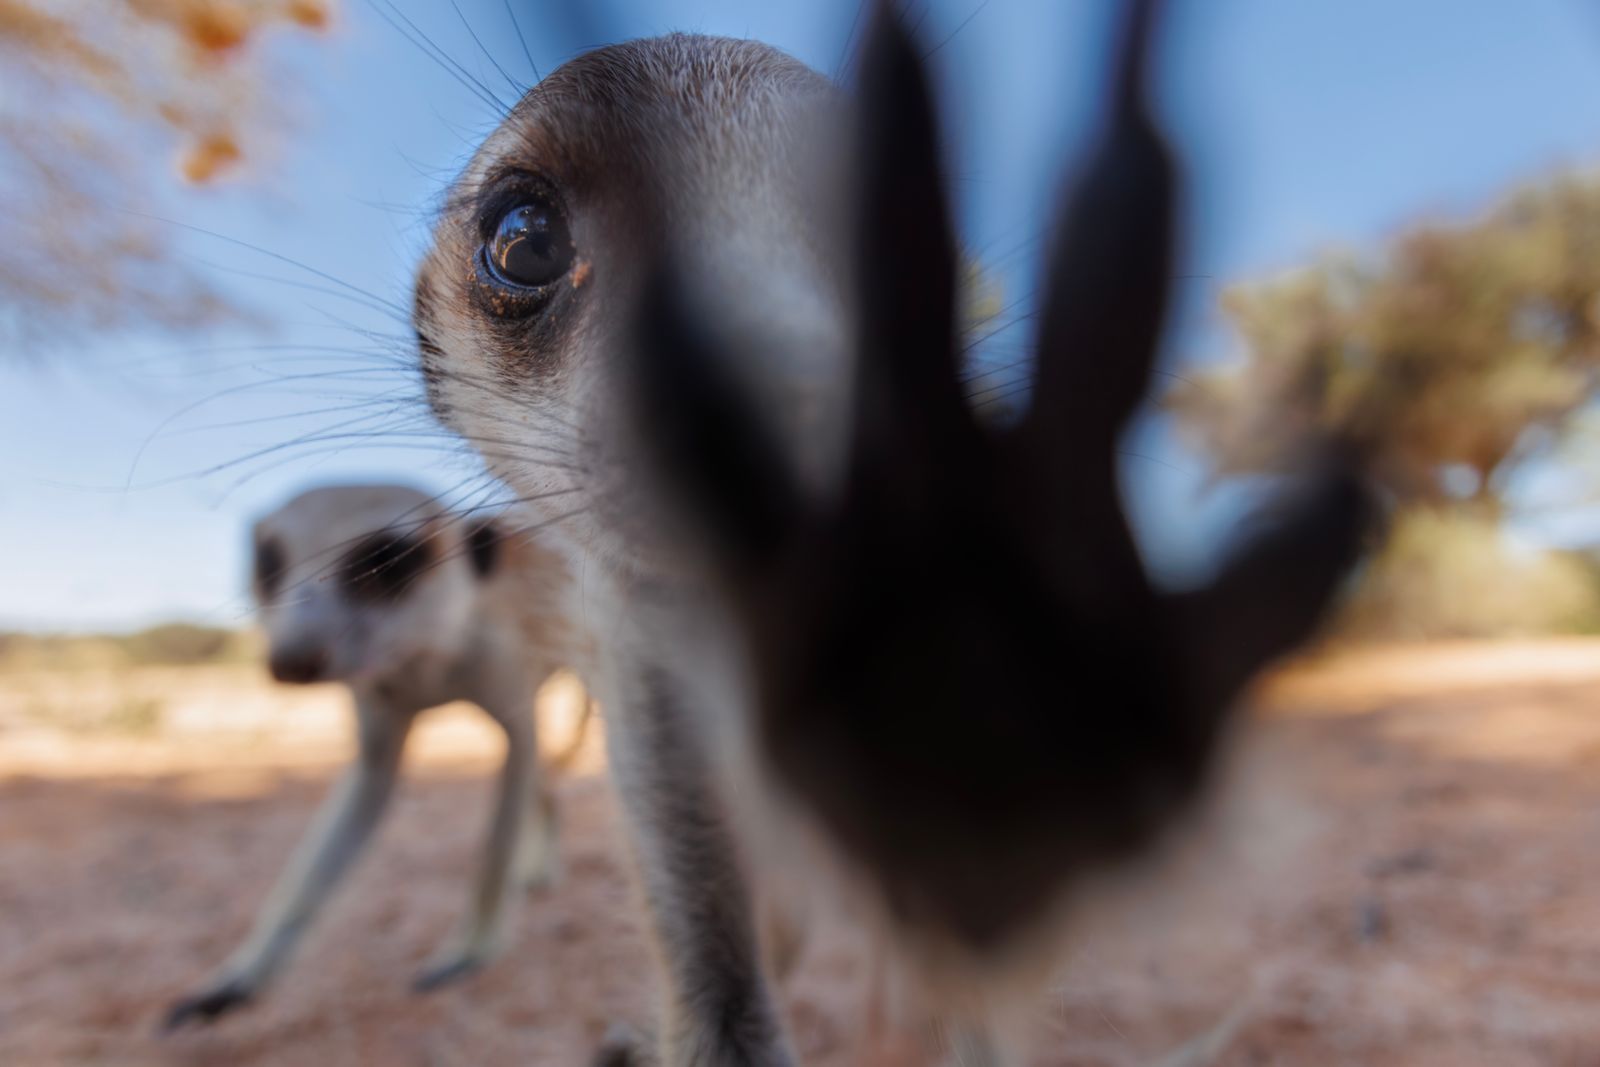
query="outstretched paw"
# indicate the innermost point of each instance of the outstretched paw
(205, 1007)
(958, 659)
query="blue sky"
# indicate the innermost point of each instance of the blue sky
(1303, 124)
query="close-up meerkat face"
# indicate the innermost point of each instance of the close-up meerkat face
(352, 580)
(715, 156)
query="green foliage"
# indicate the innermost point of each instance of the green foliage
(1455, 358)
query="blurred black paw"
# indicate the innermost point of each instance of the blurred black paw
(446, 973)
(205, 1007)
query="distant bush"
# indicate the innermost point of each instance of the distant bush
(180, 645)
(1461, 358)
(1445, 574)
(168, 645)
(66, 709)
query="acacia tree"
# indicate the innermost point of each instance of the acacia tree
(1457, 357)
(93, 95)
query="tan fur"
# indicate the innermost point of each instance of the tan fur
(831, 605)
(468, 610)
(721, 156)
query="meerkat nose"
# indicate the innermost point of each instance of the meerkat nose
(298, 664)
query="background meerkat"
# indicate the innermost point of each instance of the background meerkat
(381, 588)
(714, 303)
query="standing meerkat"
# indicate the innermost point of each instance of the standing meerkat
(410, 606)
(708, 303)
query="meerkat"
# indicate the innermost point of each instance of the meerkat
(706, 301)
(410, 606)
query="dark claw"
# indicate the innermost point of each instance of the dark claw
(205, 1007)
(444, 974)
(908, 377)
(1102, 311)
(1277, 588)
(1106, 292)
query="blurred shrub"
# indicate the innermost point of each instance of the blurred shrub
(1447, 574)
(128, 714)
(182, 645)
(93, 95)
(1454, 356)
(169, 645)
(1458, 357)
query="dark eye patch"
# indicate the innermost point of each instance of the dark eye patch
(268, 568)
(483, 547)
(383, 566)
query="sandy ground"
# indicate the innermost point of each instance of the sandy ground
(1403, 869)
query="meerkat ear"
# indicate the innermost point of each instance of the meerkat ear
(1110, 269)
(910, 407)
(740, 489)
(483, 544)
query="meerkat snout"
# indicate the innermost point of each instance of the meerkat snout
(297, 664)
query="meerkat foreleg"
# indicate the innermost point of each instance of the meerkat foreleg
(341, 829)
(719, 1008)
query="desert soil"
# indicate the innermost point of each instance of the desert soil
(1402, 867)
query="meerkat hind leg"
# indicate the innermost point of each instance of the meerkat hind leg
(538, 857)
(519, 824)
(975, 1045)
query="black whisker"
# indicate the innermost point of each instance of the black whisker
(466, 25)
(402, 313)
(425, 44)
(930, 53)
(367, 302)
(522, 39)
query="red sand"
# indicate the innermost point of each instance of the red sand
(1414, 879)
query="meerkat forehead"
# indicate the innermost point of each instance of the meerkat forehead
(324, 518)
(615, 114)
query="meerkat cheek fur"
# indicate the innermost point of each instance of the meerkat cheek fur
(820, 585)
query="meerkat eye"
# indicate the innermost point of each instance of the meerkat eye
(269, 567)
(531, 244)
